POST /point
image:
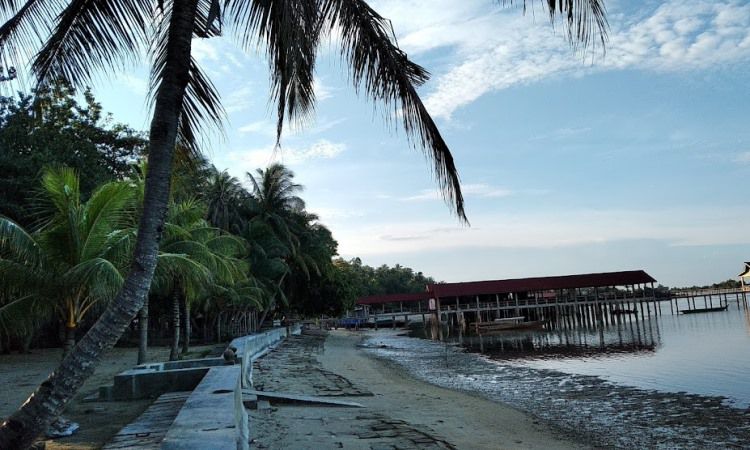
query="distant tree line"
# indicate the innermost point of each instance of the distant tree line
(726, 284)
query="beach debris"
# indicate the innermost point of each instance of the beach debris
(61, 427)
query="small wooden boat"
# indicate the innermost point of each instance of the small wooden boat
(507, 324)
(625, 311)
(703, 310)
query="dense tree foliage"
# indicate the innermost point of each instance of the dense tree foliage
(51, 128)
(352, 280)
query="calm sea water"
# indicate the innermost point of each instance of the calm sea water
(707, 354)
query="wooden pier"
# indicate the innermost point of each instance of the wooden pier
(562, 301)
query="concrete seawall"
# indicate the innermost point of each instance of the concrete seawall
(214, 415)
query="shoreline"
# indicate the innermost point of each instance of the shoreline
(464, 419)
(585, 404)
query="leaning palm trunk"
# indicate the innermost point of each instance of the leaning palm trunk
(174, 351)
(49, 400)
(143, 333)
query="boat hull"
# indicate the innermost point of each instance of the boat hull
(704, 310)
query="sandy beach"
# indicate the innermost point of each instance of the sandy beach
(465, 420)
(397, 407)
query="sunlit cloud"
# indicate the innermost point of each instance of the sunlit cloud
(494, 48)
(262, 157)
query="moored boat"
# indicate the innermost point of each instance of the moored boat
(703, 310)
(507, 324)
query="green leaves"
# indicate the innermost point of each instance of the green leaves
(76, 257)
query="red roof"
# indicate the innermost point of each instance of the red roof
(394, 298)
(631, 277)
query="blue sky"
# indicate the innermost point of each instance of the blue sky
(636, 159)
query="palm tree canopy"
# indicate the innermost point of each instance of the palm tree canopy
(74, 259)
(86, 37)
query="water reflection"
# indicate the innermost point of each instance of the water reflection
(628, 336)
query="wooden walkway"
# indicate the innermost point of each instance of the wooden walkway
(149, 429)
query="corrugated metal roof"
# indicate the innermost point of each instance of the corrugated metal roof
(394, 298)
(540, 283)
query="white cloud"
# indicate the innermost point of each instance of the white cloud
(136, 85)
(469, 190)
(256, 158)
(322, 91)
(496, 48)
(484, 190)
(262, 127)
(238, 100)
(743, 158)
(678, 227)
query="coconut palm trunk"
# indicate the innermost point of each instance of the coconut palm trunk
(49, 400)
(143, 333)
(70, 339)
(186, 325)
(174, 351)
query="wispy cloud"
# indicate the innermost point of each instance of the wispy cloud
(262, 127)
(138, 86)
(469, 190)
(743, 158)
(239, 100)
(262, 157)
(322, 90)
(496, 48)
(677, 227)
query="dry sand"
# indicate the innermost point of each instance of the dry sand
(466, 421)
(21, 374)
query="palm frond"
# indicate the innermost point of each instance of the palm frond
(226, 244)
(23, 313)
(385, 73)
(99, 276)
(110, 208)
(25, 29)
(60, 190)
(18, 277)
(17, 243)
(92, 35)
(585, 21)
(290, 29)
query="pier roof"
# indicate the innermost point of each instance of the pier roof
(605, 279)
(746, 273)
(394, 298)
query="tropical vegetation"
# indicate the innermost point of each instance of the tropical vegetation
(72, 40)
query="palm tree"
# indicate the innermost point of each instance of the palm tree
(193, 256)
(75, 258)
(275, 199)
(224, 197)
(86, 36)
